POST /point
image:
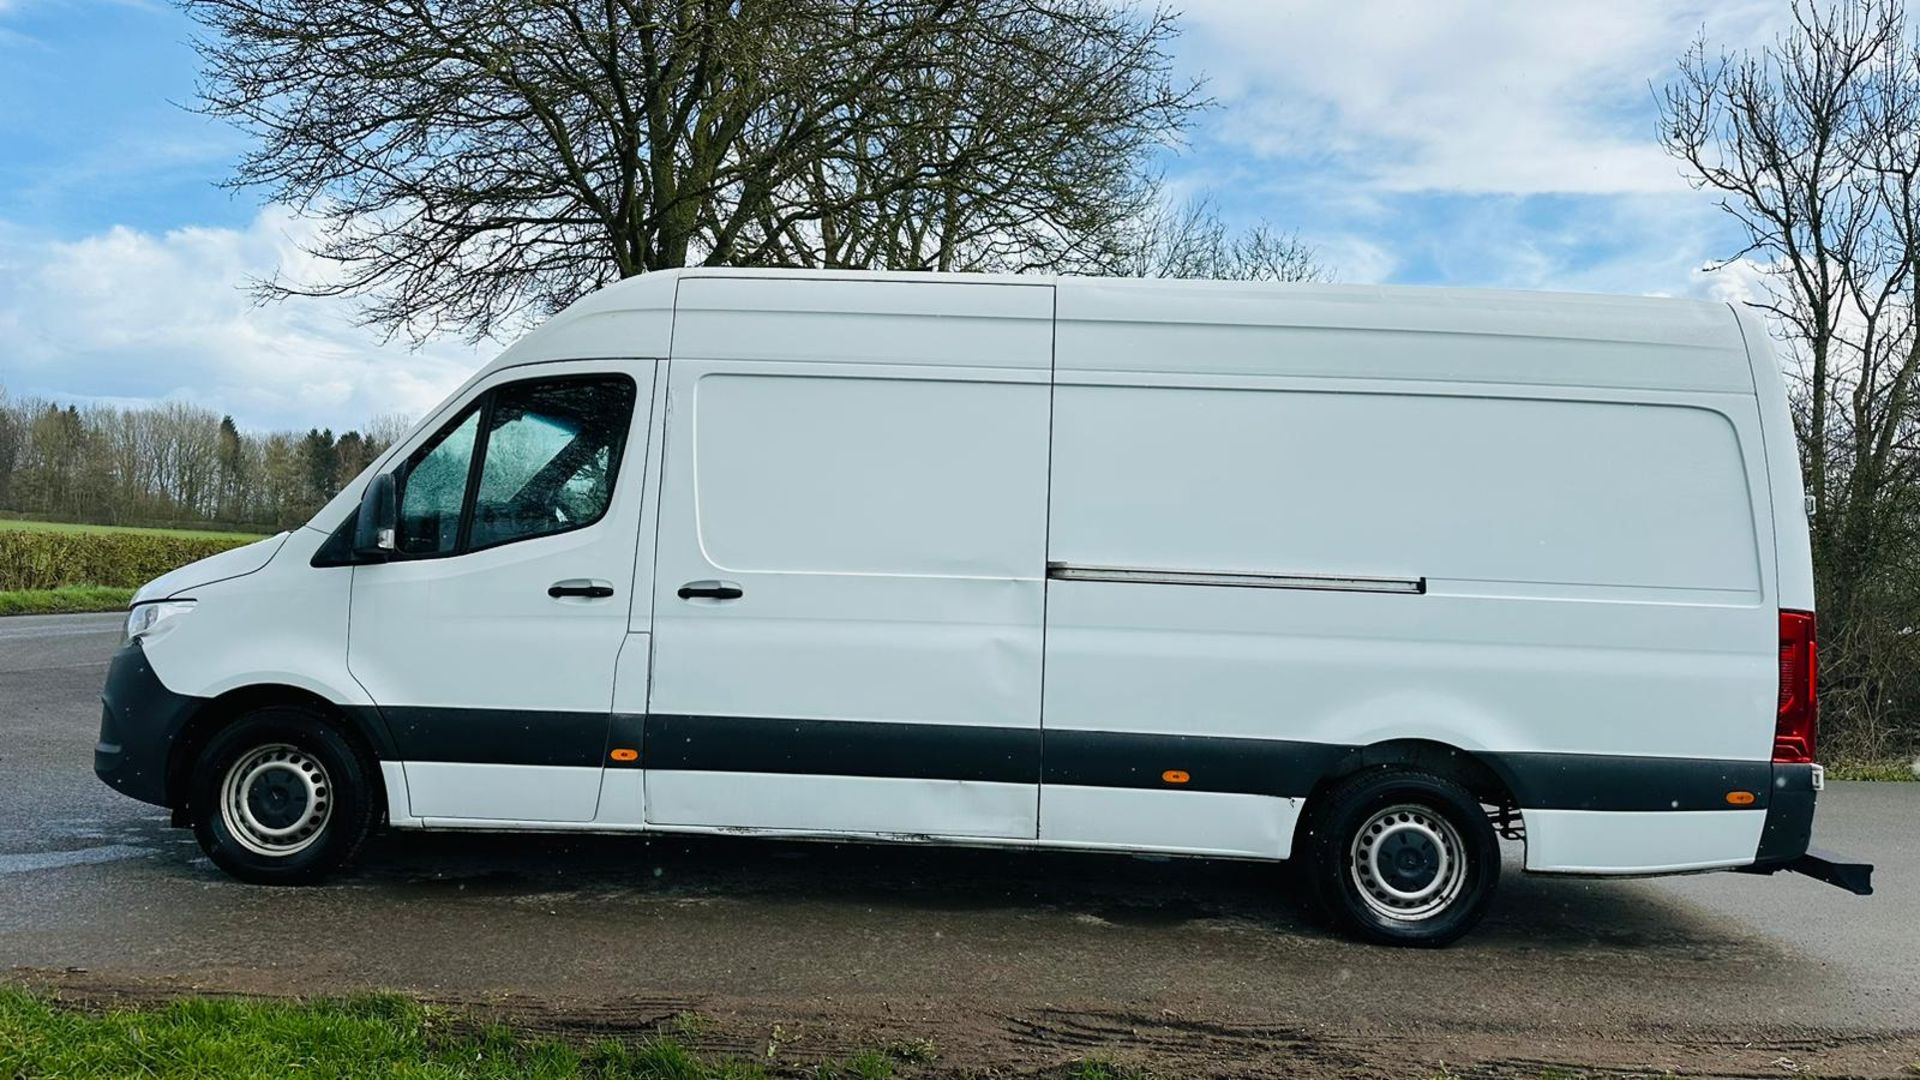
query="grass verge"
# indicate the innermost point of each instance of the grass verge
(70, 598)
(1874, 770)
(381, 1035)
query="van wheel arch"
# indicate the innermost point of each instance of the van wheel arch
(221, 712)
(1477, 774)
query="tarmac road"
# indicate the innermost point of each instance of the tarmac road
(1003, 956)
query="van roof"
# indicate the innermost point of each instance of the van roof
(1685, 344)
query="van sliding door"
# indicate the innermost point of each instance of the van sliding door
(850, 572)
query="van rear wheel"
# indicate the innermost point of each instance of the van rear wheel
(281, 797)
(1399, 857)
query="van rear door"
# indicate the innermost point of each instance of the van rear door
(851, 561)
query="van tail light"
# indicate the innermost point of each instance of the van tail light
(1799, 718)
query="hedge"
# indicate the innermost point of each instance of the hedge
(41, 559)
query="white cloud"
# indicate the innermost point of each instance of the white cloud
(1456, 95)
(132, 316)
(1354, 259)
(1742, 281)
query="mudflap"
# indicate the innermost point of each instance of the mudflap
(1855, 877)
(1836, 870)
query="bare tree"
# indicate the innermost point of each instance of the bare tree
(1192, 240)
(387, 428)
(170, 464)
(12, 434)
(477, 160)
(1811, 143)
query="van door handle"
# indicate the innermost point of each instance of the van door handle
(711, 590)
(592, 590)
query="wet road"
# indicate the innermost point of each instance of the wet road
(649, 927)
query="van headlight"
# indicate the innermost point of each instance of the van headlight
(146, 618)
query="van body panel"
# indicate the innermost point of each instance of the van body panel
(623, 799)
(640, 611)
(929, 321)
(240, 634)
(889, 560)
(1370, 332)
(632, 317)
(1586, 572)
(467, 789)
(623, 780)
(892, 807)
(1582, 510)
(1602, 842)
(1474, 673)
(1793, 544)
(1201, 822)
(393, 776)
(1471, 488)
(221, 566)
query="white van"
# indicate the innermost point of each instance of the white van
(1360, 575)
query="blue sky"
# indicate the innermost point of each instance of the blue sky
(1412, 142)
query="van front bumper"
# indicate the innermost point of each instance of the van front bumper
(139, 721)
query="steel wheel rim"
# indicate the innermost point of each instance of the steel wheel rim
(1407, 863)
(276, 800)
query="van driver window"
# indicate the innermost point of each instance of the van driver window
(433, 489)
(552, 450)
(549, 454)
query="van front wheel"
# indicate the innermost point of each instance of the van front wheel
(1399, 857)
(281, 797)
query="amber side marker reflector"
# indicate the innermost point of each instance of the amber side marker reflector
(1175, 776)
(1740, 798)
(624, 754)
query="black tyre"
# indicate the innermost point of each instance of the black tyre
(1398, 857)
(281, 797)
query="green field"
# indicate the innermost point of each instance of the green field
(69, 527)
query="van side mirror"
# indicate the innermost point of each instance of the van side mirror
(373, 533)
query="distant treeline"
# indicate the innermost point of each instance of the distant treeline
(174, 464)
